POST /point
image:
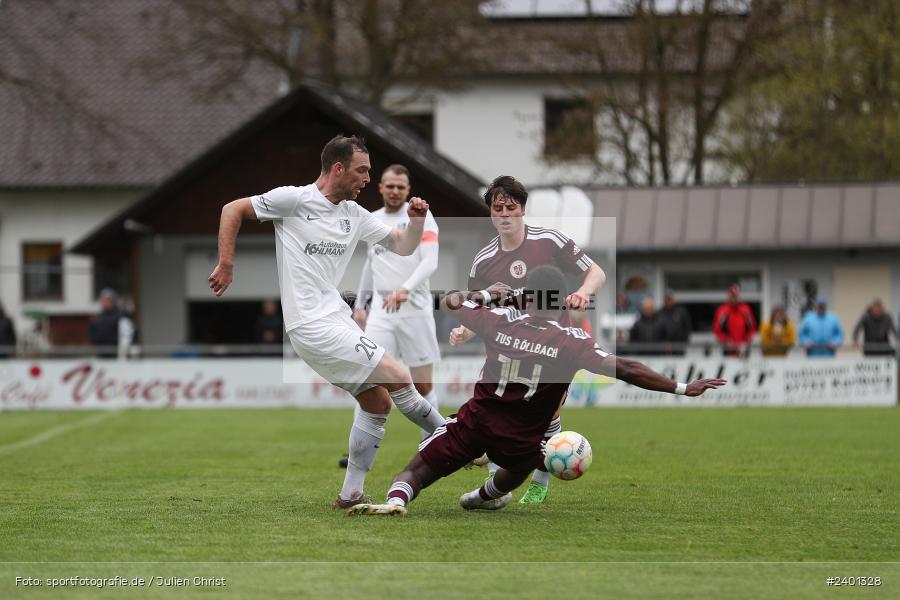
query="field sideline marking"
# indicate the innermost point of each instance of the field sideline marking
(58, 430)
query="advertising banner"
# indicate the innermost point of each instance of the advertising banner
(250, 383)
(760, 382)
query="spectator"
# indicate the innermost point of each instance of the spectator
(648, 333)
(623, 306)
(36, 342)
(820, 331)
(734, 324)
(268, 324)
(7, 335)
(112, 331)
(777, 334)
(877, 327)
(677, 324)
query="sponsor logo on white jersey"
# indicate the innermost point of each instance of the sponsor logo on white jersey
(326, 248)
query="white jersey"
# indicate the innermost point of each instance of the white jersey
(315, 240)
(391, 271)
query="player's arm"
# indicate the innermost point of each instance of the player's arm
(233, 214)
(462, 334)
(637, 373)
(499, 293)
(428, 263)
(455, 300)
(476, 317)
(594, 278)
(363, 293)
(569, 257)
(405, 241)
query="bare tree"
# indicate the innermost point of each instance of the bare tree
(664, 78)
(832, 108)
(366, 46)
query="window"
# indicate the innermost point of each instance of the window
(42, 271)
(420, 123)
(569, 130)
(702, 291)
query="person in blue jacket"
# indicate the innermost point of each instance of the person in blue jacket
(820, 331)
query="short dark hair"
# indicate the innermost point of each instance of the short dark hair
(508, 186)
(340, 149)
(398, 169)
(546, 288)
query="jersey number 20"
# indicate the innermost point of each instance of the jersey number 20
(367, 346)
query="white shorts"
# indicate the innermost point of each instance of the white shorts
(337, 349)
(413, 339)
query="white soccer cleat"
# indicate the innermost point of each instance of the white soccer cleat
(388, 510)
(473, 501)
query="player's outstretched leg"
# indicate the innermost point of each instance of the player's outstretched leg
(394, 376)
(365, 438)
(494, 494)
(406, 486)
(540, 480)
(422, 377)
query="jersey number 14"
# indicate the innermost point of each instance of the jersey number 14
(509, 373)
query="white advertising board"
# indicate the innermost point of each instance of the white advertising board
(250, 383)
(760, 382)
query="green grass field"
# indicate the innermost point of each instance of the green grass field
(701, 503)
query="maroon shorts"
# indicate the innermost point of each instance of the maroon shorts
(456, 444)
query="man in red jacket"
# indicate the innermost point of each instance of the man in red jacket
(734, 324)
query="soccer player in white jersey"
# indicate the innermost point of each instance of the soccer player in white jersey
(401, 317)
(317, 227)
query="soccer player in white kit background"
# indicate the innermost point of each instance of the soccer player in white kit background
(317, 227)
(401, 317)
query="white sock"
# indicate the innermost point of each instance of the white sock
(492, 467)
(365, 437)
(555, 427)
(417, 409)
(490, 490)
(431, 398)
(400, 493)
(542, 477)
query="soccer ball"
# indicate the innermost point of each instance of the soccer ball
(568, 455)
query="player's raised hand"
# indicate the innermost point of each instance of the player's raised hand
(418, 208)
(507, 294)
(221, 278)
(696, 388)
(460, 335)
(578, 301)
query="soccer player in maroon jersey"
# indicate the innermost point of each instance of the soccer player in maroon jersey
(531, 359)
(507, 260)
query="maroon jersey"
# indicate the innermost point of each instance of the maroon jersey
(530, 363)
(539, 248)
